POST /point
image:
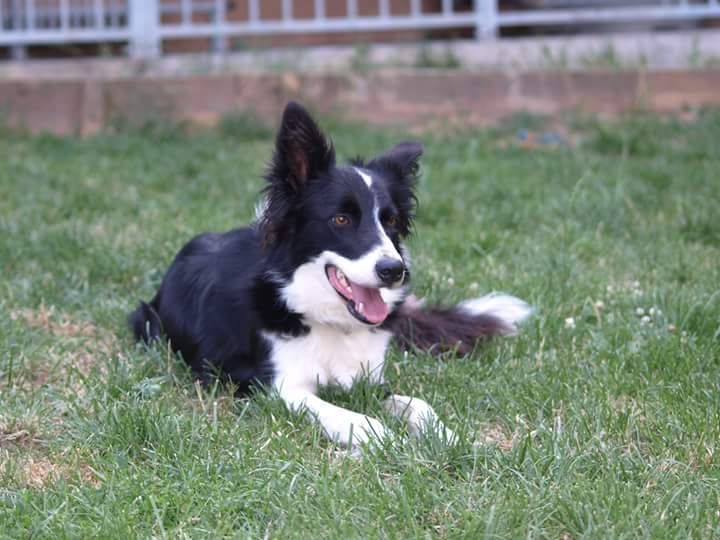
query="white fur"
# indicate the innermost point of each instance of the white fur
(366, 177)
(509, 309)
(329, 356)
(392, 296)
(309, 292)
(260, 208)
(419, 416)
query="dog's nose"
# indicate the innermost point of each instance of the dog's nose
(389, 270)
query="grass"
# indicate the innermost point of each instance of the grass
(599, 420)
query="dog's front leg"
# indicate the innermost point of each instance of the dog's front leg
(420, 416)
(340, 425)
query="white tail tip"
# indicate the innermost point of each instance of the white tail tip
(510, 310)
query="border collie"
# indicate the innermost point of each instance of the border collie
(313, 292)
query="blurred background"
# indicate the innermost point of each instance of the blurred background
(326, 51)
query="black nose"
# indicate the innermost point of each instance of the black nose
(390, 270)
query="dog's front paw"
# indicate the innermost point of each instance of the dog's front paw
(357, 430)
(436, 430)
(369, 430)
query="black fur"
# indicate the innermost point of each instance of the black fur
(441, 329)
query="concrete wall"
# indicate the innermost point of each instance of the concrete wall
(417, 98)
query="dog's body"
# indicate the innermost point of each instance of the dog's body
(314, 291)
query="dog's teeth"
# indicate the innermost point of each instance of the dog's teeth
(361, 307)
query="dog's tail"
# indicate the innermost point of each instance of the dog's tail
(458, 328)
(145, 323)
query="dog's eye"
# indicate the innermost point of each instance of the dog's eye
(391, 221)
(341, 219)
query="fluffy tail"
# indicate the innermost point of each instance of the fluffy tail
(460, 327)
(145, 323)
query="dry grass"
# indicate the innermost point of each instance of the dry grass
(41, 472)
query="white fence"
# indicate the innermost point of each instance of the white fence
(145, 24)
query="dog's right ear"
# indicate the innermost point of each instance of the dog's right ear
(301, 150)
(301, 153)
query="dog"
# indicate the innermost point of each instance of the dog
(313, 292)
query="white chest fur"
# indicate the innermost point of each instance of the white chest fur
(327, 355)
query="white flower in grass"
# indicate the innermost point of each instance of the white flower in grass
(645, 319)
(570, 322)
(599, 305)
(639, 312)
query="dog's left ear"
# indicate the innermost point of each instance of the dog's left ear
(301, 149)
(401, 161)
(401, 164)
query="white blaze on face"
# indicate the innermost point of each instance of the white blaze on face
(386, 248)
(366, 177)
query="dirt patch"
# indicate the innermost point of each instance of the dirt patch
(20, 432)
(94, 343)
(21, 437)
(495, 435)
(53, 321)
(39, 473)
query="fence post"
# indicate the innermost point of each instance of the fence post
(486, 19)
(144, 16)
(17, 52)
(219, 41)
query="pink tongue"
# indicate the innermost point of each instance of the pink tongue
(374, 310)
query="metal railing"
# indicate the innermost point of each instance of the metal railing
(146, 24)
(44, 22)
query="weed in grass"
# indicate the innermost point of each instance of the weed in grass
(603, 426)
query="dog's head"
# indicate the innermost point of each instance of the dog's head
(336, 230)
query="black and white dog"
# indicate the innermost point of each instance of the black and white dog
(315, 289)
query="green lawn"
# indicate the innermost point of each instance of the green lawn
(602, 419)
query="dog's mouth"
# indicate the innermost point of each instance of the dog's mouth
(363, 303)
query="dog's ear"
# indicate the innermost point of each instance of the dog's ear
(401, 164)
(401, 161)
(301, 153)
(301, 149)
